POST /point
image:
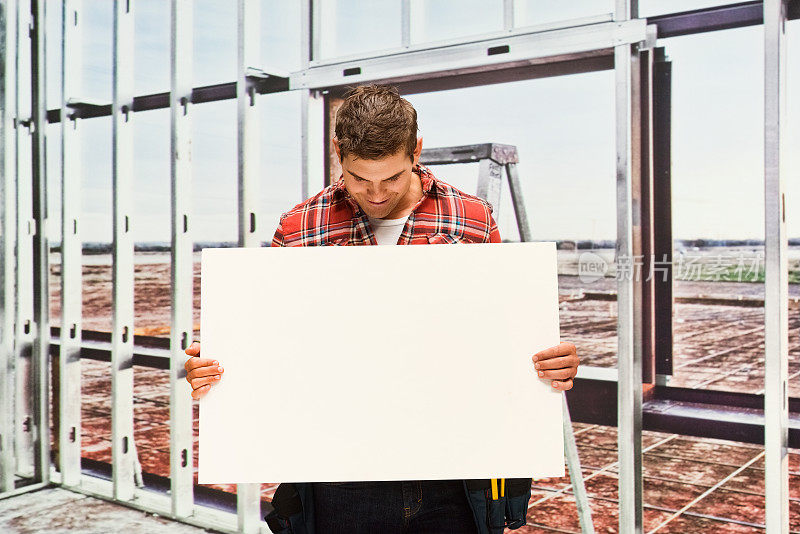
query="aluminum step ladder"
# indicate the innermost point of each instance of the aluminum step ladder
(495, 160)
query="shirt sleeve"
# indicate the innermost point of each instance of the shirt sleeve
(277, 239)
(494, 233)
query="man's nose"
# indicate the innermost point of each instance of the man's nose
(376, 191)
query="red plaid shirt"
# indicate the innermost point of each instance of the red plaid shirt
(443, 215)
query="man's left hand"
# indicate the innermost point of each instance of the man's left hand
(558, 363)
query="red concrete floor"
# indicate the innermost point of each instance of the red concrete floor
(690, 484)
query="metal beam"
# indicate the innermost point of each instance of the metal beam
(311, 30)
(181, 257)
(26, 228)
(200, 95)
(629, 354)
(598, 61)
(313, 109)
(646, 216)
(662, 213)
(776, 280)
(69, 361)
(716, 18)
(689, 412)
(312, 143)
(248, 159)
(41, 249)
(718, 421)
(709, 19)
(122, 446)
(515, 50)
(248, 128)
(8, 222)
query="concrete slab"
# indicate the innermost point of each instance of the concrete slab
(59, 511)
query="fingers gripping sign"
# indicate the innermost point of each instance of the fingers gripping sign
(558, 363)
(201, 373)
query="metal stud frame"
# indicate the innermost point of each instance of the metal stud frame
(620, 41)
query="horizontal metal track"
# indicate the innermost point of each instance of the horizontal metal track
(712, 420)
(203, 495)
(477, 56)
(96, 484)
(692, 412)
(715, 18)
(200, 95)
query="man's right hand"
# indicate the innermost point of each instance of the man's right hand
(201, 373)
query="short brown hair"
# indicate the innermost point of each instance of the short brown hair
(374, 122)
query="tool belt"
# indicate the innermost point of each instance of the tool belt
(496, 504)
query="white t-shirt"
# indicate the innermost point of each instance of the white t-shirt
(387, 231)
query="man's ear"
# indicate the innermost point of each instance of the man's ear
(336, 148)
(417, 152)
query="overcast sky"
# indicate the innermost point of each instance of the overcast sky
(563, 127)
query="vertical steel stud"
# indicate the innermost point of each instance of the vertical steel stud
(629, 301)
(182, 272)
(776, 283)
(8, 222)
(248, 37)
(69, 427)
(26, 228)
(122, 456)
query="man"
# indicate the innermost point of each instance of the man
(385, 197)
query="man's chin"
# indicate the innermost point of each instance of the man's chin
(377, 212)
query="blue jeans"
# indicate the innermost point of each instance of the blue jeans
(392, 507)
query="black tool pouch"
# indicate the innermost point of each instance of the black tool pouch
(518, 493)
(287, 516)
(495, 515)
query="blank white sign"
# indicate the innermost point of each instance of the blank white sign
(379, 363)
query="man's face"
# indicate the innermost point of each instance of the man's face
(384, 188)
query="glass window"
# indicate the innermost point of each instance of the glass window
(53, 55)
(280, 36)
(98, 50)
(279, 186)
(349, 27)
(54, 234)
(152, 47)
(650, 8)
(96, 224)
(215, 56)
(96, 180)
(151, 177)
(535, 12)
(214, 180)
(718, 210)
(438, 20)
